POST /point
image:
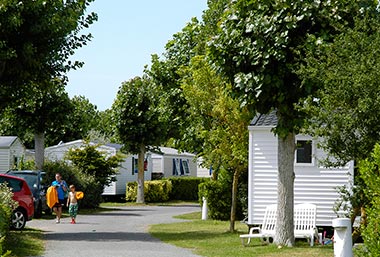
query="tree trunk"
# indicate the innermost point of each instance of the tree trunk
(39, 148)
(140, 176)
(235, 183)
(285, 194)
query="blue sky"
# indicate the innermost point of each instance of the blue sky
(126, 34)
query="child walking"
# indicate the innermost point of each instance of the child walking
(72, 203)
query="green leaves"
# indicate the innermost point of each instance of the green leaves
(36, 40)
(139, 114)
(261, 46)
(345, 109)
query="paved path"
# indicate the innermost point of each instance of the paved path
(121, 232)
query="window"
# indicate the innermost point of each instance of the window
(185, 164)
(304, 151)
(135, 166)
(180, 167)
(14, 184)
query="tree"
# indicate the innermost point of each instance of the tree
(36, 40)
(141, 121)
(344, 111)
(44, 112)
(260, 47)
(218, 122)
(91, 161)
(81, 120)
(205, 117)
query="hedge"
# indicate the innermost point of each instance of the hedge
(185, 188)
(154, 191)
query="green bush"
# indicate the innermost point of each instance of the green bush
(218, 198)
(91, 188)
(7, 204)
(154, 191)
(185, 188)
(370, 173)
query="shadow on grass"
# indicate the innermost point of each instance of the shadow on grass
(27, 242)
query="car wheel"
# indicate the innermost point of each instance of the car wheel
(18, 219)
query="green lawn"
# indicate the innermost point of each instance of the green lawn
(211, 238)
(27, 242)
(205, 238)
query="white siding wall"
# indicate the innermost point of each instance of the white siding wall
(313, 183)
(125, 171)
(7, 155)
(4, 160)
(164, 164)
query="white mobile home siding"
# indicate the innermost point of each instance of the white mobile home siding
(163, 162)
(12, 151)
(313, 183)
(124, 175)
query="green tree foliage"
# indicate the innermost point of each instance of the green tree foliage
(92, 161)
(205, 117)
(104, 131)
(7, 205)
(81, 120)
(29, 116)
(86, 183)
(260, 47)
(219, 122)
(370, 173)
(344, 110)
(141, 121)
(36, 40)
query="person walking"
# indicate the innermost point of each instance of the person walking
(61, 187)
(72, 203)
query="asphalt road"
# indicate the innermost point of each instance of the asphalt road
(121, 232)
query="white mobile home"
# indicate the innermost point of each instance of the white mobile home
(169, 162)
(313, 182)
(126, 173)
(12, 151)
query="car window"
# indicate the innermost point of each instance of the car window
(15, 184)
(31, 179)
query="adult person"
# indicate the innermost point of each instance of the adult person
(61, 187)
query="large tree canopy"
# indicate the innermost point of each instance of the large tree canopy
(141, 121)
(36, 40)
(260, 47)
(345, 110)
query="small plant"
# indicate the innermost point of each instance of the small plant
(7, 204)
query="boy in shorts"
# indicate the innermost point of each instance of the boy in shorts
(72, 203)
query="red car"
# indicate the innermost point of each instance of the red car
(23, 195)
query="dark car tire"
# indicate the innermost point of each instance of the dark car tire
(18, 219)
(38, 211)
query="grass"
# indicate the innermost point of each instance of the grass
(210, 238)
(27, 242)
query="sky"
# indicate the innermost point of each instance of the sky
(125, 36)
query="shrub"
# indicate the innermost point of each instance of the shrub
(218, 199)
(370, 173)
(154, 191)
(91, 188)
(7, 204)
(185, 188)
(218, 194)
